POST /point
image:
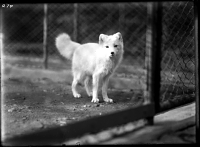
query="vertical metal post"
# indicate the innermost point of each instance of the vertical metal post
(196, 65)
(45, 31)
(75, 32)
(153, 55)
(121, 17)
(148, 51)
(2, 74)
(1, 35)
(149, 43)
(156, 56)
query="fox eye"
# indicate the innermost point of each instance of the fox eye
(115, 45)
(107, 46)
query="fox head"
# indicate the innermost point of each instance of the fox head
(112, 43)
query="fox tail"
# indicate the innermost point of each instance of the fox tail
(65, 45)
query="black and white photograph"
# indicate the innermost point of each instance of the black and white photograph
(97, 73)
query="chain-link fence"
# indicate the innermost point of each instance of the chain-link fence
(23, 30)
(23, 35)
(178, 52)
(85, 22)
(23, 26)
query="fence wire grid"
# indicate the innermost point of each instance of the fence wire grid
(178, 52)
(23, 35)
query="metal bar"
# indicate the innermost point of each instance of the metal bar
(153, 57)
(92, 125)
(121, 17)
(45, 31)
(149, 40)
(156, 55)
(75, 32)
(149, 43)
(196, 66)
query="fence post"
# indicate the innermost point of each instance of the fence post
(121, 17)
(45, 31)
(75, 32)
(196, 65)
(156, 56)
(153, 58)
(1, 35)
(148, 51)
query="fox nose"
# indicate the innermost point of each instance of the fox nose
(112, 53)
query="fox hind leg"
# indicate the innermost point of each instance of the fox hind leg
(88, 85)
(77, 78)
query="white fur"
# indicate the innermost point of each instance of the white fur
(92, 63)
(65, 45)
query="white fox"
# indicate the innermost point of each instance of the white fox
(92, 63)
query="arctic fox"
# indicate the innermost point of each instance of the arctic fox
(92, 63)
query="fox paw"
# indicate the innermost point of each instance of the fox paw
(95, 100)
(108, 100)
(77, 95)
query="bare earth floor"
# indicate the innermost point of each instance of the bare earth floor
(37, 99)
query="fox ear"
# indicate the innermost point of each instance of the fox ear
(119, 35)
(101, 38)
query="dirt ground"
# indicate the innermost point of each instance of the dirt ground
(35, 99)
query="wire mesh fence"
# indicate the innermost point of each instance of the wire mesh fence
(178, 52)
(23, 30)
(23, 35)
(85, 22)
(23, 26)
